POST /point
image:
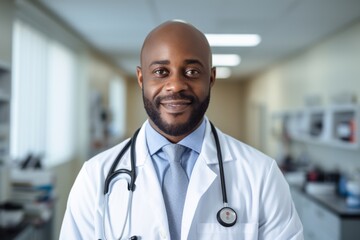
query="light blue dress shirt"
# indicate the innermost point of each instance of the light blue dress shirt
(155, 141)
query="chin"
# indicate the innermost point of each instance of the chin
(177, 126)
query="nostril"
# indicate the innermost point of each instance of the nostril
(176, 85)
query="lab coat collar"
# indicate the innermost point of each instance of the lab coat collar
(142, 152)
(209, 151)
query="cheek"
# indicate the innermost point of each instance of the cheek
(150, 91)
(202, 91)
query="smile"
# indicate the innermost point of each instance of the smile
(175, 106)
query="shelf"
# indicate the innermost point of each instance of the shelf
(335, 125)
(5, 98)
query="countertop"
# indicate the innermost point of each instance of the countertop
(332, 202)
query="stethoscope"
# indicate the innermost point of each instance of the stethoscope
(226, 216)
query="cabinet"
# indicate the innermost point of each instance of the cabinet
(334, 125)
(29, 231)
(321, 223)
(5, 96)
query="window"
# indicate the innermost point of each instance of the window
(117, 107)
(43, 97)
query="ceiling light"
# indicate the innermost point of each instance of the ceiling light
(226, 60)
(233, 40)
(223, 72)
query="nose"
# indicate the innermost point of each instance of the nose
(176, 83)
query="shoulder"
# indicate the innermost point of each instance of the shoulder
(247, 162)
(103, 161)
(243, 152)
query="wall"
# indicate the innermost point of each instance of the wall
(227, 106)
(327, 69)
(135, 112)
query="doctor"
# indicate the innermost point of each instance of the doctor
(176, 77)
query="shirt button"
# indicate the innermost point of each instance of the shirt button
(162, 234)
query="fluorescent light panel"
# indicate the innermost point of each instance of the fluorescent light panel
(223, 72)
(228, 60)
(233, 40)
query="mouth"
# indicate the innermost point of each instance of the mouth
(175, 106)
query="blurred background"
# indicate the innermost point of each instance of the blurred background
(288, 86)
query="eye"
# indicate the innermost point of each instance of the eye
(192, 73)
(161, 72)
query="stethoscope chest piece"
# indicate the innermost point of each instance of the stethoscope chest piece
(227, 217)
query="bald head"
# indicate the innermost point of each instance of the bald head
(178, 34)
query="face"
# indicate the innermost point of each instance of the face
(176, 78)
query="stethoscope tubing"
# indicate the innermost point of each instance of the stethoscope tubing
(221, 165)
(106, 213)
(132, 173)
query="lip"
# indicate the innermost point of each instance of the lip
(175, 106)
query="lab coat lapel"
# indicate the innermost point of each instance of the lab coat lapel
(202, 176)
(201, 179)
(148, 194)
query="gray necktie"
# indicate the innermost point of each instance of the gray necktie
(174, 188)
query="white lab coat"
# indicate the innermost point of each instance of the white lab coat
(256, 189)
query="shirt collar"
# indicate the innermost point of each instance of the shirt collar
(193, 141)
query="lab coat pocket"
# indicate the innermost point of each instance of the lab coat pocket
(244, 231)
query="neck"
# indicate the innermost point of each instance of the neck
(172, 138)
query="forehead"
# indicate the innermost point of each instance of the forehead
(176, 43)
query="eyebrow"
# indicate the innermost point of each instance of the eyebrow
(194, 61)
(160, 62)
(167, 62)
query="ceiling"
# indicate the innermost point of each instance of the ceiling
(118, 27)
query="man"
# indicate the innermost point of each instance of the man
(176, 76)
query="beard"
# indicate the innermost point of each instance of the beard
(173, 129)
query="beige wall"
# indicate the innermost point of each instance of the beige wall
(135, 112)
(227, 106)
(328, 69)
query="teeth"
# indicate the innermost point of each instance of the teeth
(174, 104)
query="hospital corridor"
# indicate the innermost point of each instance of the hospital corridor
(261, 99)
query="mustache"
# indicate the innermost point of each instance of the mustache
(175, 96)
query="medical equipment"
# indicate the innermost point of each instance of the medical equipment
(226, 216)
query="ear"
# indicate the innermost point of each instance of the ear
(139, 76)
(212, 76)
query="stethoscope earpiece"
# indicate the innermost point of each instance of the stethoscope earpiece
(226, 217)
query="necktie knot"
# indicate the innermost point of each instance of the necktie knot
(174, 152)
